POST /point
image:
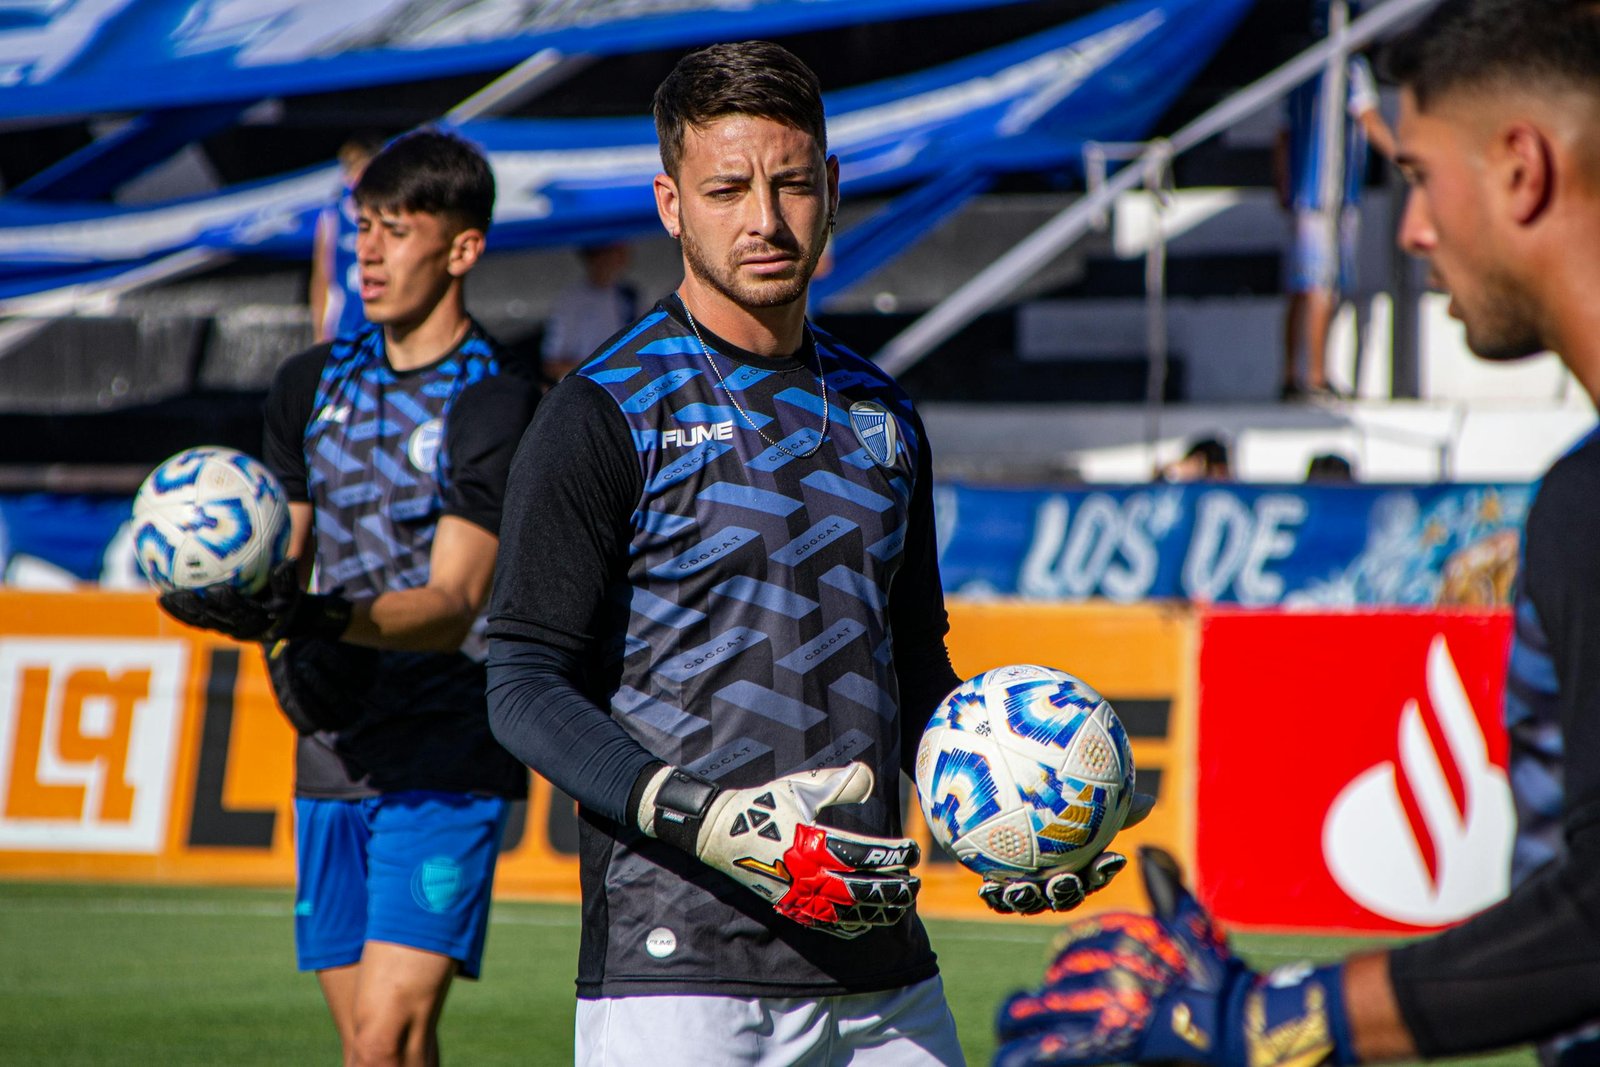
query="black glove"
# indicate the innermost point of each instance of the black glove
(1061, 891)
(280, 611)
(321, 685)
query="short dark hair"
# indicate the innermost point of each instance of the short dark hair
(1211, 451)
(755, 78)
(1479, 44)
(434, 172)
(1330, 467)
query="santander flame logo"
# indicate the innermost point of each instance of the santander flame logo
(1426, 842)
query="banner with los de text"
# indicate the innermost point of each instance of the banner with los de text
(135, 749)
(1252, 545)
(1225, 543)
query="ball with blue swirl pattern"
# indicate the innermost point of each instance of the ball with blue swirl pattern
(1024, 770)
(210, 516)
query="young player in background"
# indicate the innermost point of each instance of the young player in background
(718, 624)
(1500, 139)
(393, 445)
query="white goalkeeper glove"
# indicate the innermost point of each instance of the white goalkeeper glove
(766, 839)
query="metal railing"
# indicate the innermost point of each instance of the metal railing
(1005, 275)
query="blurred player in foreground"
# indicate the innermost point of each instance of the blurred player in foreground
(718, 624)
(393, 445)
(1500, 140)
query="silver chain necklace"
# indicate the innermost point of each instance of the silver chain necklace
(822, 384)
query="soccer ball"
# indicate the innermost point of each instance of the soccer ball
(1024, 770)
(210, 516)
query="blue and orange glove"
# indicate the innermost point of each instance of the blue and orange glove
(766, 838)
(1129, 988)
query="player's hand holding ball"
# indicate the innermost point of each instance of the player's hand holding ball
(282, 611)
(766, 838)
(1127, 988)
(1025, 775)
(211, 531)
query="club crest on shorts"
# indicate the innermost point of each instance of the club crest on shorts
(437, 884)
(877, 431)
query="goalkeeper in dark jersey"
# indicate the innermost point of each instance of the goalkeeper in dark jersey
(393, 444)
(1499, 138)
(717, 622)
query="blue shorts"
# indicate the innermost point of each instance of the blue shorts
(410, 868)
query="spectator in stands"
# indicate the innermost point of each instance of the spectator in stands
(1206, 461)
(589, 311)
(335, 275)
(1330, 468)
(1318, 272)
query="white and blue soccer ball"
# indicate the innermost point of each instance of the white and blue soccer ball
(1023, 770)
(210, 516)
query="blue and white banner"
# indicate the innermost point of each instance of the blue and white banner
(1027, 106)
(1230, 544)
(1334, 546)
(84, 57)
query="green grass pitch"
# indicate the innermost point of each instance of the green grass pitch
(123, 975)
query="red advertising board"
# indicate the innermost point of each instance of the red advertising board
(1352, 769)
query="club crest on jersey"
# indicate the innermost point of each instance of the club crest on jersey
(877, 431)
(423, 447)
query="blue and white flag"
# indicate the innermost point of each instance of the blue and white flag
(1027, 106)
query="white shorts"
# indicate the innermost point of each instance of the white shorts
(909, 1027)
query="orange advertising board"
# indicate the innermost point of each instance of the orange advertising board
(132, 748)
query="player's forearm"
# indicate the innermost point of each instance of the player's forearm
(1376, 1028)
(425, 619)
(539, 714)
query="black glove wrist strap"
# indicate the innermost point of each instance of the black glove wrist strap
(681, 806)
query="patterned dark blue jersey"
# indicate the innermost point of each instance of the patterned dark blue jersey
(742, 629)
(382, 455)
(1533, 728)
(1533, 725)
(374, 462)
(752, 635)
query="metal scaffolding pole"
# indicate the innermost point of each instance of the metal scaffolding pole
(1002, 277)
